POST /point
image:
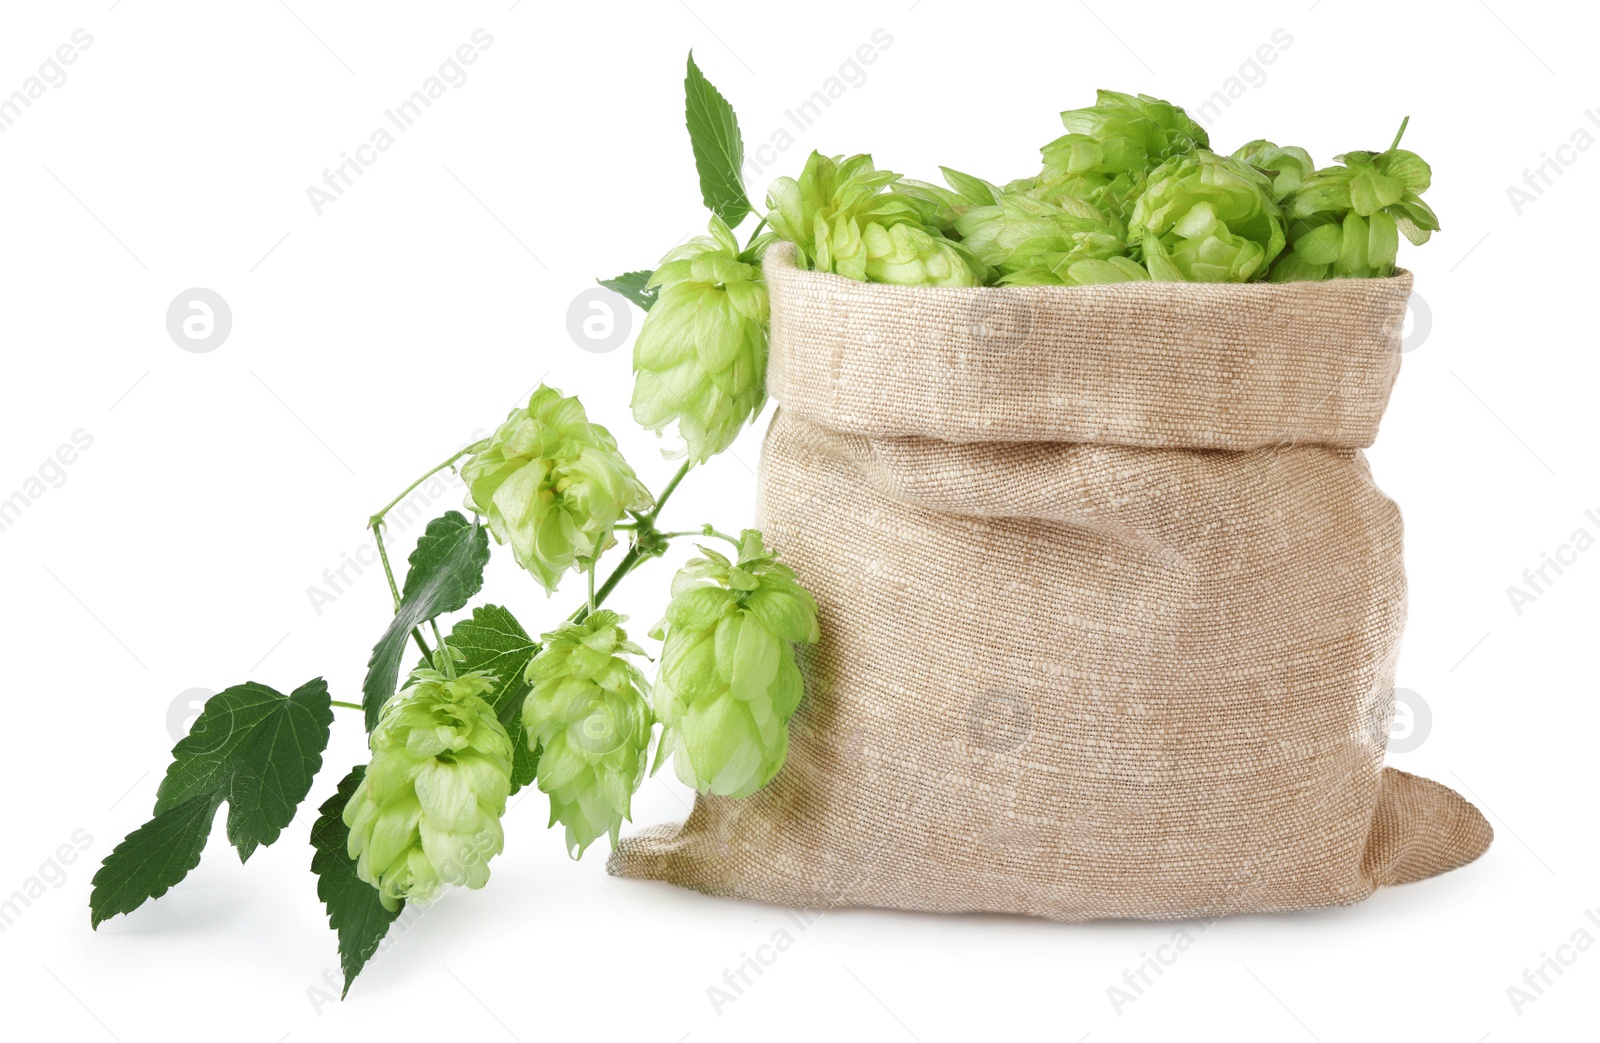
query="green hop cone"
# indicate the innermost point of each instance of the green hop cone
(1287, 166)
(1121, 133)
(1034, 243)
(427, 812)
(552, 485)
(1111, 146)
(902, 254)
(1206, 218)
(728, 682)
(588, 715)
(1112, 194)
(846, 217)
(944, 205)
(1346, 220)
(700, 360)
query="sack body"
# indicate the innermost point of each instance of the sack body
(1110, 606)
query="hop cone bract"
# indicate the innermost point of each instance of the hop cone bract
(847, 217)
(589, 716)
(1123, 132)
(728, 682)
(1035, 243)
(1206, 218)
(552, 485)
(1111, 146)
(427, 812)
(1286, 166)
(700, 360)
(1346, 220)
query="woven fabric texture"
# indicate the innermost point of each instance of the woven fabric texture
(1110, 607)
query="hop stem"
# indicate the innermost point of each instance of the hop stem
(644, 534)
(375, 523)
(1399, 134)
(377, 519)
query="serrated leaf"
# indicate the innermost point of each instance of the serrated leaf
(151, 859)
(718, 147)
(493, 641)
(355, 908)
(252, 747)
(256, 749)
(446, 571)
(632, 285)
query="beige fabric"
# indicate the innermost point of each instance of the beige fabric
(1110, 607)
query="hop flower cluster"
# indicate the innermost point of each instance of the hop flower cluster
(847, 217)
(1346, 220)
(588, 713)
(1206, 218)
(1035, 243)
(427, 812)
(1111, 146)
(552, 485)
(700, 361)
(728, 682)
(1131, 191)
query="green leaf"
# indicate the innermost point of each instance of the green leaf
(633, 285)
(252, 747)
(446, 571)
(493, 641)
(151, 859)
(718, 147)
(256, 749)
(355, 908)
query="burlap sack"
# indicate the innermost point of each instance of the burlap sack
(1110, 606)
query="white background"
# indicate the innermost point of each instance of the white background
(370, 341)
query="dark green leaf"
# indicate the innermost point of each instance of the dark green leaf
(632, 286)
(446, 571)
(493, 641)
(252, 747)
(256, 749)
(151, 859)
(355, 909)
(718, 147)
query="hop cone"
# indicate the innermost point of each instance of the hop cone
(848, 218)
(728, 683)
(1034, 243)
(1287, 166)
(427, 812)
(1111, 146)
(701, 358)
(1206, 218)
(1346, 220)
(552, 485)
(588, 714)
(1121, 132)
(944, 205)
(1112, 194)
